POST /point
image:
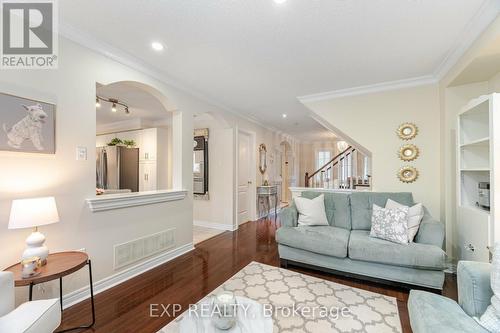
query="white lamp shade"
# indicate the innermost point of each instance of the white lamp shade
(28, 213)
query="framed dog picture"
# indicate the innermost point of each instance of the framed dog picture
(27, 125)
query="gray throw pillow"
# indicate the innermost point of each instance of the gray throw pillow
(390, 224)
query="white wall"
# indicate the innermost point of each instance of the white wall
(72, 88)
(372, 119)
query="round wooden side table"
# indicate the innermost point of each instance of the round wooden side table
(58, 265)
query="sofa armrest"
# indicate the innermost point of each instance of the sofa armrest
(33, 317)
(7, 298)
(474, 287)
(288, 216)
(430, 232)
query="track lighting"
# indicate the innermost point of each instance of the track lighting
(114, 105)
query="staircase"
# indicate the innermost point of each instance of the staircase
(350, 169)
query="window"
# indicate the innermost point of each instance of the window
(322, 158)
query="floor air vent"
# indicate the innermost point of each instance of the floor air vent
(132, 251)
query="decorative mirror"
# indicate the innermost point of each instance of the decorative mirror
(407, 131)
(408, 174)
(408, 152)
(262, 158)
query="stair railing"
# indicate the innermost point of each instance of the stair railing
(326, 171)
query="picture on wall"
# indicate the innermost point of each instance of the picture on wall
(27, 125)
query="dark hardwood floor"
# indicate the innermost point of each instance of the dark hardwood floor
(187, 279)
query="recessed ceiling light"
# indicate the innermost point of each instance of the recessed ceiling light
(284, 115)
(280, 1)
(157, 46)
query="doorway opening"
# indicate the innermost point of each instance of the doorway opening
(286, 171)
(133, 140)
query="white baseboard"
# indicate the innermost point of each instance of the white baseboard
(219, 226)
(79, 295)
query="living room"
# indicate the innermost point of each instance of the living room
(347, 155)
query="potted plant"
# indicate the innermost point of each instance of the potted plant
(115, 142)
(129, 143)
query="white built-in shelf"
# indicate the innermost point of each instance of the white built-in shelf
(478, 104)
(477, 209)
(482, 142)
(478, 125)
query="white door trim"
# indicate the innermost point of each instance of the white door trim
(252, 191)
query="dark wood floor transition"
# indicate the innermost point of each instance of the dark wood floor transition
(185, 280)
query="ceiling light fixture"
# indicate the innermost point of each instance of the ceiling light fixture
(284, 115)
(157, 46)
(114, 105)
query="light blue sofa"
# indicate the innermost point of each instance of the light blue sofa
(430, 313)
(345, 247)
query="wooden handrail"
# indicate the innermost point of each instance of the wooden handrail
(308, 177)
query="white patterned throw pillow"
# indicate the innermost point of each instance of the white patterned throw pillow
(311, 211)
(491, 317)
(415, 216)
(390, 224)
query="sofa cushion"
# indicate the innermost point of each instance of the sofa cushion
(414, 255)
(434, 313)
(327, 240)
(362, 205)
(337, 208)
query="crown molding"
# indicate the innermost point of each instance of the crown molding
(77, 36)
(367, 89)
(485, 15)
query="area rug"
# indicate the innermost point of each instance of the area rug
(331, 307)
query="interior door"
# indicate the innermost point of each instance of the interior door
(244, 181)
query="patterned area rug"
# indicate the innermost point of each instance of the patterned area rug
(302, 303)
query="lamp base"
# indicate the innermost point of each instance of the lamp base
(35, 247)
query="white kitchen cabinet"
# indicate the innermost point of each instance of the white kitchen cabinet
(148, 176)
(148, 144)
(153, 155)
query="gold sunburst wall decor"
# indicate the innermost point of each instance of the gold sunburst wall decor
(408, 174)
(408, 152)
(407, 131)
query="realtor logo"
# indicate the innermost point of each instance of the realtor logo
(29, 36)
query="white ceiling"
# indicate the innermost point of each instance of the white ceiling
(256, 57)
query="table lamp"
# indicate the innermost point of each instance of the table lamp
(32, 213)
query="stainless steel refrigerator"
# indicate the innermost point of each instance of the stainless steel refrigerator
(117, 168)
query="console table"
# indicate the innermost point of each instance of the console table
(58, 265)
(264, 194)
